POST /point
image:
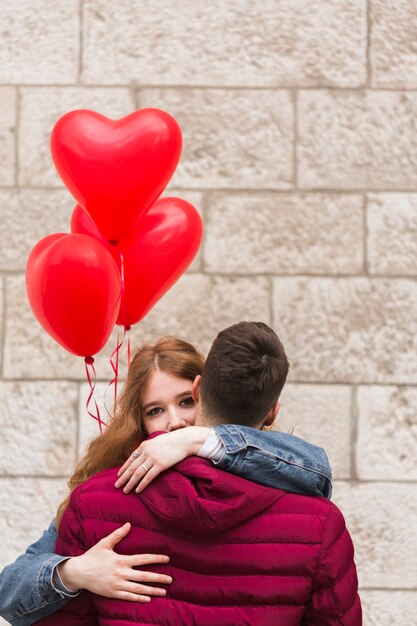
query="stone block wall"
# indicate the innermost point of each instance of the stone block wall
(300, 151)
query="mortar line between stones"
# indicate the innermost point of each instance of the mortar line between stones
(35, 476)
(347, 383)
(313, 383)
(249, 190)
(216, 87)
(409, 590)
(368, 44)
(268, 274)
(354, 433)
(375, 481)
(260, 274)
(80, 42)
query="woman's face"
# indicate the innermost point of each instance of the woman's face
(167, 403)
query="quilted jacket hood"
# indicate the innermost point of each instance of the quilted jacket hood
(193, 498)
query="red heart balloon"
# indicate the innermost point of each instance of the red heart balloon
(82, 223)
(116, 169)
(160, 249)
(74, 288)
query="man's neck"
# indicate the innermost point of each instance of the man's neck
(203, 419)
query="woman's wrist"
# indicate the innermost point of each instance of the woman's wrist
(200, 434)
(69, 574)
(196, 436)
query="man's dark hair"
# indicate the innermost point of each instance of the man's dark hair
(244, 373)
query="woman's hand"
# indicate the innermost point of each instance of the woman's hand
(103, 571)
(156, 455)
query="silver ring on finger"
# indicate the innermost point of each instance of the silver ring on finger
(145, 468)
(135, 454)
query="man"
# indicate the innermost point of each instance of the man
(240, 553)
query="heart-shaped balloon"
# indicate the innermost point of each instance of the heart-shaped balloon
(116, 169)
(74, 288)
(161, 247)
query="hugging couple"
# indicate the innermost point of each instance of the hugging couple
(221, 523)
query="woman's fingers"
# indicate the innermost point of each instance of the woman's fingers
(141, 473)
(110, 541)
(136, 585)
(138, 560)
(124, 467)
(138, 472)
(138, 475)
(148, 477)
(135, 466)
(132, 459)
(132, 597)
(143, 590)
(148, 577)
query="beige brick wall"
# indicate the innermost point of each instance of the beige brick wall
(300, 152)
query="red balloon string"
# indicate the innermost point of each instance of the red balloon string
(114, 363)
(114, 358)
(115, 244)
(116, 370)
(122, 279)
(89, 362)
(127, 328)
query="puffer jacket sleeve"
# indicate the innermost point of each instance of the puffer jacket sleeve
(71, 537)
(78, 611)
(335, 600)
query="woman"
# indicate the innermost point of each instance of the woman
(40, 582)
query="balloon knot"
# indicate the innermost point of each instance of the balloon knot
(127, 327)
(89, 360)
(113, 242)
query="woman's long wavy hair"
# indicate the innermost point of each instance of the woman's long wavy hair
(126, 431)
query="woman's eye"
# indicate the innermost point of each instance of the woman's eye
(155, 411)
(189, 401)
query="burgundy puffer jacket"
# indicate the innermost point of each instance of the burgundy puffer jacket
(241, 554)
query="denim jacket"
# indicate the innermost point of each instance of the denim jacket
(28, 588)
(275, 459)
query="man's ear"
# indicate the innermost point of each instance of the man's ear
(195, 389)
(272, 413)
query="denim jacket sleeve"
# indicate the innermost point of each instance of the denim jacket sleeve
(27, 591)
(275, 459)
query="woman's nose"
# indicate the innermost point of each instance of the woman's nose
(176, 421)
